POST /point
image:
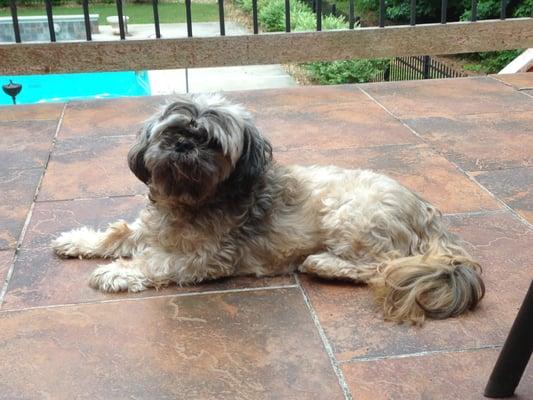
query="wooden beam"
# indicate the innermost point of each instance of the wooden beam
(270, 48)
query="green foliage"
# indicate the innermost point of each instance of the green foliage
(523, 9)
(272, 19)
(491, 62)
(472, 67)
(430, 10)
(304, 21)
(490, 9)
(486, 9)
(272, 15)
(349, 71)
(426, 10)
(40, 3)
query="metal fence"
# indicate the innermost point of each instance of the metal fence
(317, 8)
(260, 48)
(420, 67)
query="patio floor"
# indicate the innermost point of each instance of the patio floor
(464, 144)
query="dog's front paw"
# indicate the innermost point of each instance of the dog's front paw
(76, 243)
(117, 277)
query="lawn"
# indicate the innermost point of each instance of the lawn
(138, 13)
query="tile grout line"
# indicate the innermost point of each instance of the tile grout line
(420, 354)
(325, 342)
(114, 196)
(501, 169)
(163, 296)
(16, 121)
(97, 137)
(519, 90)
(473, 213)
(30, 212)
(355, 147)
(399, 120)
(493, 77)
(457, 167)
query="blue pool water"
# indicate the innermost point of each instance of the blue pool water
(63, 87)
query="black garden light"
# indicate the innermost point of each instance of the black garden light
(12, 89)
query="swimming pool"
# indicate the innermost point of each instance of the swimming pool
(63, 87)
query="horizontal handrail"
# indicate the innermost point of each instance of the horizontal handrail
(268, 48)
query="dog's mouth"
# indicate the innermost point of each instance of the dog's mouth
(187, 175)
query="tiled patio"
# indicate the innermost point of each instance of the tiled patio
(464, 144)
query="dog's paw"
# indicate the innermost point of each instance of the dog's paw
(117, 277)
(76, 243)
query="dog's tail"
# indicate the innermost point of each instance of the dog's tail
(442, 282)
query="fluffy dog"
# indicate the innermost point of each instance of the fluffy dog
(219, 206)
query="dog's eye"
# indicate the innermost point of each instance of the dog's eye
(213, 144)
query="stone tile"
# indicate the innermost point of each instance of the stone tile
(448, 97)
(17, 188)
(481, 142)
(6, 258)
(89, 167)
(417, 167)
(326, 126)
(40, 278)
(25, 144)
(503, 246)
(45, 111)
(300, 97)
(436, 376)
(519, 81)
(253, 345)
(513, 186)
(109, 117)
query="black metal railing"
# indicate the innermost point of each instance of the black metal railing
(412, 68)
(318, 8)
(386, 39)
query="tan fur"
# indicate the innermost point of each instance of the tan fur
(327, 221)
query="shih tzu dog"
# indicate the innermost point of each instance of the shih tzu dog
(219, 206)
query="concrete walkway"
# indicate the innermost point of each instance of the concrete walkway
(204, 79)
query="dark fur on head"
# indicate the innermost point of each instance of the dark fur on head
(198, 149)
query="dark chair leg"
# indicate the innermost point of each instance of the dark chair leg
(515, 353)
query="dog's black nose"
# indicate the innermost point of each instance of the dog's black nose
(182, 147)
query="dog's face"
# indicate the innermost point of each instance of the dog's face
(186, 152)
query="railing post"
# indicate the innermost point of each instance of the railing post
(352, 14)
(156, 19)
(427, 63)
(120, 12)
(15, 19)
(87, 19)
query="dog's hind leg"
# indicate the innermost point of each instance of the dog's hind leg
(118, 240)
(329, 266)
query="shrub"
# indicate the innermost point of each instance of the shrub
(349, 71)
(272, 19)
(304, 21)
(491, 62)
(426, 10)
(523, 9)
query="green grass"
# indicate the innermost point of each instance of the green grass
(138, 13)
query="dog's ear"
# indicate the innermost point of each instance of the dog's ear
(136, 158)
(256, 155)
